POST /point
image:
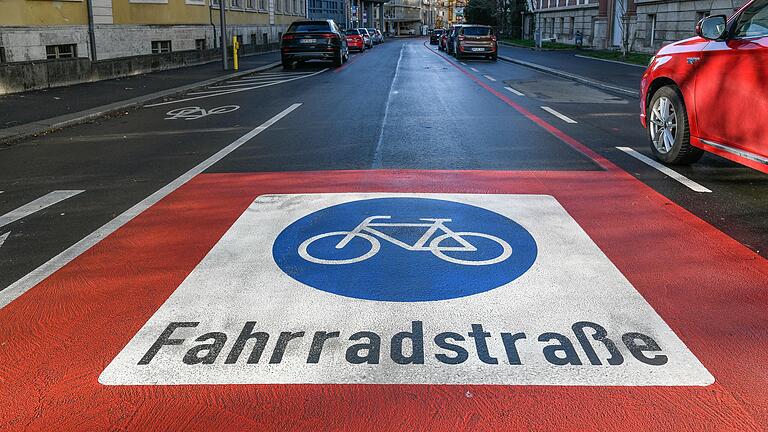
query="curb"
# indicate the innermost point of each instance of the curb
(574, 77)
(17, 133)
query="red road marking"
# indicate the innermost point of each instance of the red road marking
(59, 336)
(562, 136)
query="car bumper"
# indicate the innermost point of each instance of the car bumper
(310, 55)
(477, 50)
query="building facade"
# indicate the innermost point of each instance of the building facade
(46, 29)
(641, 25)
(336, 10)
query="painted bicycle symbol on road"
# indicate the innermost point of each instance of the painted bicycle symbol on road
(194, 112)
(367, 231)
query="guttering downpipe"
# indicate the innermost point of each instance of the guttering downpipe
(91, 31)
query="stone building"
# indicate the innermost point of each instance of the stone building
(644, 25)
(47, 29)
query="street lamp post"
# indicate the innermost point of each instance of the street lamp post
(223, 21)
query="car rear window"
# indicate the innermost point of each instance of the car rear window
(351, 32)
(477, 31)
(363, 31)
(306, 27)
(438, 32)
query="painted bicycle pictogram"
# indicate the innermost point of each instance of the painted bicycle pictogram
(367, 230)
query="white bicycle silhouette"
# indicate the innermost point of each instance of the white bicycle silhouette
(367, 230)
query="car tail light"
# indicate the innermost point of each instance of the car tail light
(288, 37)
(461, 37)
(493, 38)
(328, 36)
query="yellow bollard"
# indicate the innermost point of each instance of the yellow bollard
(235, 47)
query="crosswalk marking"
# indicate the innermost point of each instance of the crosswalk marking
(41, 203)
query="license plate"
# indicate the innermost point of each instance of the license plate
(307, 40)
(478, 49)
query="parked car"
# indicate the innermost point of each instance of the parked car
(434, 37)
(375, 36)
(313, 40)
(442, 43)
(381, 35)
(710, 92)
(475, 40)
(453, 33)
(355, 40)
(366, 36)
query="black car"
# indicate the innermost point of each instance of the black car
(314, 40)
(450, 42)
(434, 38)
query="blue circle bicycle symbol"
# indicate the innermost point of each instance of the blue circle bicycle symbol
(404, 249)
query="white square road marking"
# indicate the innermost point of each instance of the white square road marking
(238, 291)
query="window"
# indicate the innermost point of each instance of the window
(651, 38)
(700, 15)
(2, 55)
(571, 25)
(263, 5)
(753, 22)
(251, 4)
(161, 47)
(61, 51)
(237, 4)
(265, 38)
(200, 44)
(297, 7)
(561, 28)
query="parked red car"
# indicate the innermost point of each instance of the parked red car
(710, 92)
(355, 40)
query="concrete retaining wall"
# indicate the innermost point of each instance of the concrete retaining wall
(42, 74)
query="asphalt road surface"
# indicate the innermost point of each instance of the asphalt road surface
(140, 251)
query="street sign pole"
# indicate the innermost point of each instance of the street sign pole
(223, 20)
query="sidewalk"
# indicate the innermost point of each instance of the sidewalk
(608, 75)
(39, 111)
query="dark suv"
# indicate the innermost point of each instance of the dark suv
(434, 37)
(313, 40)
(475, 40)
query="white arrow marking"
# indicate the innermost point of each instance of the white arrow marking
(3, 237)
(44, 201)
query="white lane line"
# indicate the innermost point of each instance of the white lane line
(690, 184)
(39, 274)
(562, 117)
(236, 85)
(463, 63)
(44, 201)
(510, 89)
(237, 90)
(377, 162)
(3, 238)
(474, 69)
(489, 78)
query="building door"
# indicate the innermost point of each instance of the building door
(619, 9)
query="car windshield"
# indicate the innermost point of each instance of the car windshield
(351, 32)
(363, 31)
(307, 27)
(477, 31)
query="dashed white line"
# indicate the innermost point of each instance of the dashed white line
(489, 78)
(474, 69)
(690, 184)
(39, 274)
(41, 203)
(562, 117)
(3, 238)
(224, 86)
(510, 89)
(463, 63)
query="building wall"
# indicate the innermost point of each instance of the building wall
(328, 9)
(128, 27)
(671, 20)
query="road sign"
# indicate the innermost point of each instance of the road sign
(400, 288)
